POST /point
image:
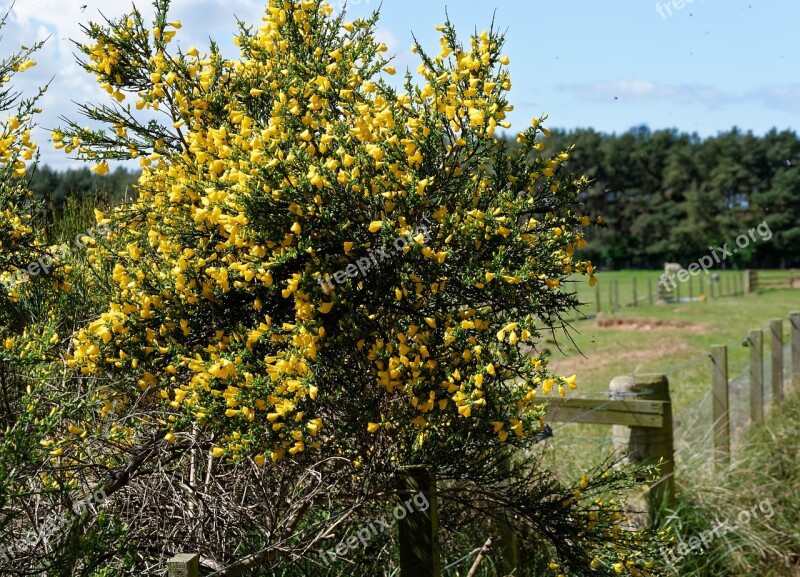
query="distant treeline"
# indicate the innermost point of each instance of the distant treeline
(669, 196)
(54, 186)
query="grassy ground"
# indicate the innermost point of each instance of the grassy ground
(674, 339)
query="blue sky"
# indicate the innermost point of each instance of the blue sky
(702, 66)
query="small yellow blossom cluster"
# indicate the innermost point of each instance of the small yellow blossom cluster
(18, 242)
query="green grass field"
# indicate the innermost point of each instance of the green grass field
(674, 339)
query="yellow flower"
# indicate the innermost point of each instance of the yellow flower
(217, 452)
(571, 382)
(101, 168)
(373, 427)
(375, 225)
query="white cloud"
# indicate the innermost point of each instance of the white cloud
(646, 90)
(780, 97)
(785, 97)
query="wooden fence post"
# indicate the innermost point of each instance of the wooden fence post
(678, 290)
(597, 296)
(776, 330)
(702, 286)
(650, 291)
(509, 542)
(750, 281)
(755, 340)
(419, 531)
(184, 565)
(648, 445)
(721, 414)
(691, 290)
(611, 295)
(616, 294)
(795, 320)
(635, 294)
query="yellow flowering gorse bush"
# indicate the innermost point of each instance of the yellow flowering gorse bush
(287, 165)
(321, 272)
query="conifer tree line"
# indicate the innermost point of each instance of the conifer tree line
(668, 196)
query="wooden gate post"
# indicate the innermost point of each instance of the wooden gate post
(184, 565)
(597, 297)
(419, 531)
(648, 445)
(750, 281)
(721, 412)
(508, 544)
(776, 331)
(755, 340)
(795, 320)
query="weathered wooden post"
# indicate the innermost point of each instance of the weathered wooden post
(755, 340)
(597, 297)
(750, 281)
(721, 413)
(776, 330)
(650, 291)
(647, 445)
(509, 542)
(795, 320)
(184, 565)
(635, 294)
(418, 531)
